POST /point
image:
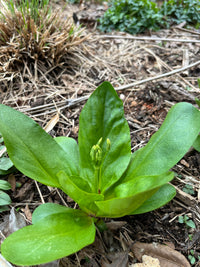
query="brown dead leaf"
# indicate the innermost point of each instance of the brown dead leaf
(167, 256)
(184, 163)
(118, 259)
(115, 225)
(28, 213)
(12, 181)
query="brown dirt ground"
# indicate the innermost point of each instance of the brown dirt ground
(121, 61)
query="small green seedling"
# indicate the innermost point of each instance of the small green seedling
(188, 188)
(191, 257)
(99, 172)
(187, 221)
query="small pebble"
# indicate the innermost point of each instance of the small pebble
(148, 261)
(122, 97)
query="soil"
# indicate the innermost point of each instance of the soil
(122, 61)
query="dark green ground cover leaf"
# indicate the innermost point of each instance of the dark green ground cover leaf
(138, 16)
(5, 164)
(4, 198)
(178, 11)
(131, 16)
(4, 185)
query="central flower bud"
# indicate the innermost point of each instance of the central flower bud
(96, 153)
(97, 157)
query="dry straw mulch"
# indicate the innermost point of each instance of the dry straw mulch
(31, 49)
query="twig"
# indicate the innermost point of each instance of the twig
(41, 197)
(146, 38)
(186, 30)
(62, 199)
(158, 77)
(72, 102)
(169, 68)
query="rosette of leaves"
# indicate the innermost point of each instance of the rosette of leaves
(99, 172)
(131, 16)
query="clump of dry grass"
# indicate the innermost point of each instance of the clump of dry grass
(34, 43)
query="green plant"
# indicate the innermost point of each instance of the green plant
(191, 257)
(41, 38)
(31, 8)
(137, 16)
(131, 16)
(177, 11)
(186, 220)
(188, 188)
(100, 173)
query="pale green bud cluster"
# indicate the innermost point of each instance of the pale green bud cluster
(108, 144)
(96, 152)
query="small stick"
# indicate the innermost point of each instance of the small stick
(41, 197)
(158, 77)
(186, 30)
(61, 197)
(146, 38)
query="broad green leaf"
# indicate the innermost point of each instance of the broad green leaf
(196, 144)
(47, 209)
(4, 198)
(103, 117)
(169, 144)
(141, 184)
(4, 185)
(119, 207)
(56, 236)
(130, 195)
(70, 146)
(34, 152)
(190, 223)
(165, 193)
(85, 200)
(5, 164)
(4, 208)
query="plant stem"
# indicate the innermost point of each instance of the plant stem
(97, 179)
